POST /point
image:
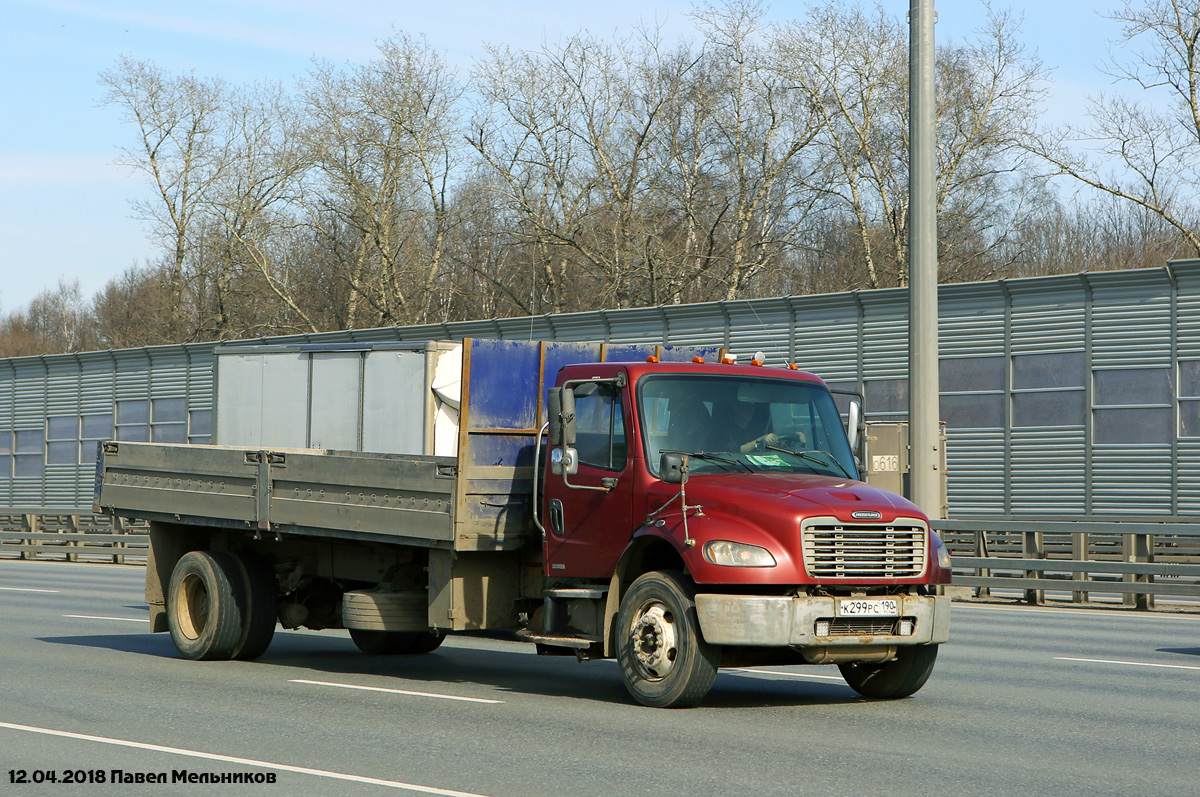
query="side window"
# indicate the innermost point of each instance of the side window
(601, 429)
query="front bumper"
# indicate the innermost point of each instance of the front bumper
(779, 621)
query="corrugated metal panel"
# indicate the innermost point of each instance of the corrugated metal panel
(1048, 314)
(1131, 319)
(763, 325)
(971, 320)
(200, 379)
(579, 327)
(532, 328)
(423, 332)
(167, 373)
(696, 325)
(472, 329)
(132, 374)
(1132, 327)
(29, 396)
(1047, 473)
(62, 387)
(885, 334)
(1131, 481)
(642, 327)
(827, 336)
(7, 385)
(97, 385)
(976, 468)
(1187, 313)
(1187, 488)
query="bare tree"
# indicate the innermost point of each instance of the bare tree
(760, 130)
(135, 308)
(852, 66)
(571, 131)
(179, 148)
(251, 217)
(57, 320)
(1145, 151)
(382, 138)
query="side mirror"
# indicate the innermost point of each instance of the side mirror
(564, 462)
(561, 406)
(854, 422)
(673, 467)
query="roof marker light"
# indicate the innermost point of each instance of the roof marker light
(697, 359)
(651, 359)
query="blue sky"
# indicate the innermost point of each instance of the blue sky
(64, 205)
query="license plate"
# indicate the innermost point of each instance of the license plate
(875, 607)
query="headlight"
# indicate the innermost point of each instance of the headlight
(943, 554)
(736, 554)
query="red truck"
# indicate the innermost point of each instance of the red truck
(680, 516)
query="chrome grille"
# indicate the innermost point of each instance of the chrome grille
(863, 551)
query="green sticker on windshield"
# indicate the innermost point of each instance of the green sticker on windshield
(767, 460)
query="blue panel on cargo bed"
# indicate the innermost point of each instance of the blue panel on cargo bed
(501, 450)
(684, 354)
(560, 354)
(502, 392)
(628, 354)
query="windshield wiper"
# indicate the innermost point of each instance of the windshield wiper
(709, 455)
(809, 456)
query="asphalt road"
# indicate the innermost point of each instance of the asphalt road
(1023, 701)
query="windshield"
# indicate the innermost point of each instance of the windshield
(738, 423)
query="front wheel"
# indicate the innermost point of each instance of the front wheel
(664, 660)
(900, 677)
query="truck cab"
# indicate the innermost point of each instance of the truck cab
(723, 504)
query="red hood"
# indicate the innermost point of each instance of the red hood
(806, 494)
(768, 510)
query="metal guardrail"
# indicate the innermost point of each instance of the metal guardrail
(71, 535)
(1137, 560)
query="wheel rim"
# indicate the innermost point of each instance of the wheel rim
(192, 599)
(654, 641)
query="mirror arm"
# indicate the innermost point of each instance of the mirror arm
(537, 465)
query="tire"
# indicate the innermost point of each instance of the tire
(395, 643)
(664, 660)
(901, 677)
(205, 603)
(260, 615)
(426, 642)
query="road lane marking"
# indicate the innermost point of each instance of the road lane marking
(131, 568)
(250, 762)
(26, 589)
(394, 691)
(1130, 663)
(789, 674)
(122, 619)
(1081, 612)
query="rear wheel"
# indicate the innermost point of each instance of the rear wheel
(900, 677)
(260, 615)
(393, 643)
(205, 600)
(664, 661)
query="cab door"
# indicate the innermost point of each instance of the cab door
(589, 522)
